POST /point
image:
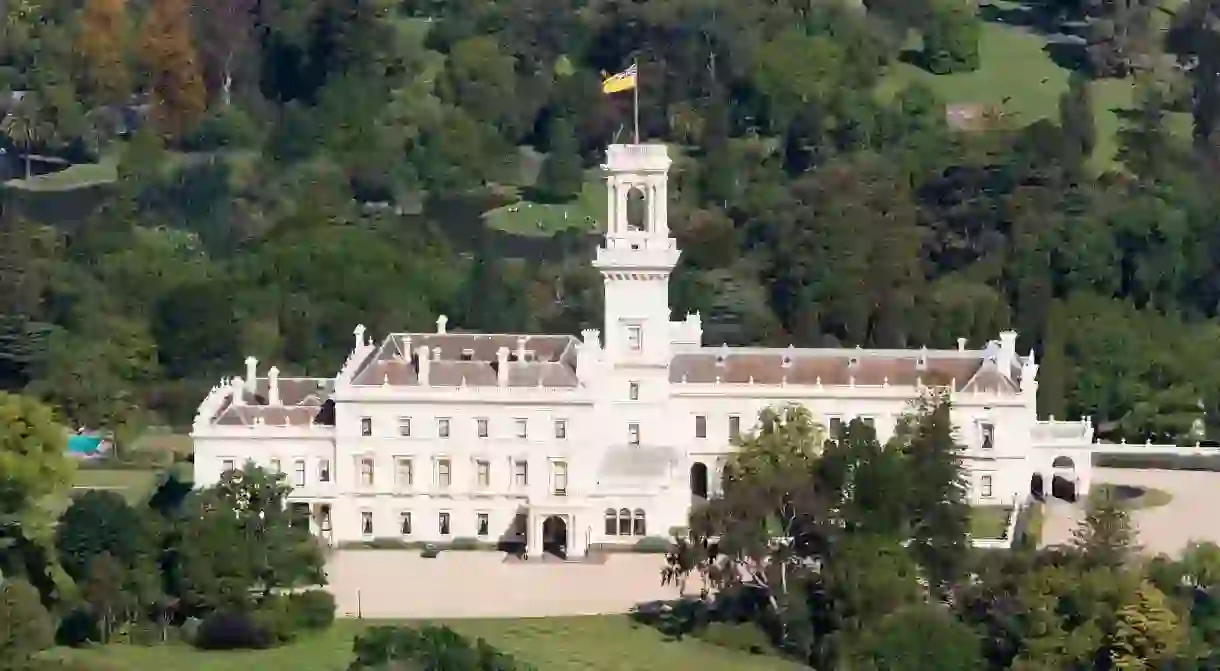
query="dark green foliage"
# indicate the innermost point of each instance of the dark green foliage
(951, 37)
(314, 609)
(26, 627)
(919, 638)
(235, 631)
(562, 174)
(100, 521)
(743, 636)
(428, 647)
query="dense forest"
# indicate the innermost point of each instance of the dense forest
(306, 166)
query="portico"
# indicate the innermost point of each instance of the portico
(561, 529)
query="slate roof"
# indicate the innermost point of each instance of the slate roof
(471, 359)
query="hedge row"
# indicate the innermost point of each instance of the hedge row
(278, 620)
(1170, 462)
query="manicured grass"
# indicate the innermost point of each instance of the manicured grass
(1132, 496)
(585, 213)
(604, 643)
(164, 441)
(132, 484)
(989, 522)
(1019, 78)
(74, 177)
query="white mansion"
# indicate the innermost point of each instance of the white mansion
(603, 439)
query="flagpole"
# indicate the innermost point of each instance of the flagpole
(635, 63)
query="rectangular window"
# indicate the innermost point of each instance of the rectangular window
(483, 524)
(404, 472)
(366, 471)
(734, 426)
(560, 477)
(275, 466)
(366, 426)
(443, 473)
(324, 470)
(404, 427)
(988, 431)
(700, 426)
(483, 468)
(870, 422)
(442, 427)
(985, 486)
(633, 391)
(298, 473)
(635, 338)
(561, 429)
(633, 434)
(521, 473)
(324, 522)
(443, 523)
(366, 523)
(404, 523)
(226, 465)
(522, 427)
(481, 424)
(836, 427)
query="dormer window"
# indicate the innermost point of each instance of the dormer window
(467, 355)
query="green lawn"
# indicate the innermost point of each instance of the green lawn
(608, 643)
(132, 484)
(989, 522)
(1018, 78)
(74, 177)
(527, 218)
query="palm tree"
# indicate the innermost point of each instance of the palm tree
(24, 127)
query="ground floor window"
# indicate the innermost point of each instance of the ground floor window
(624, 522)
(324, 523)
(366, 523)
(443, 522)
(404, 523)
(484, 524)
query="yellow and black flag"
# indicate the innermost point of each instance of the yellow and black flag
(623, 81)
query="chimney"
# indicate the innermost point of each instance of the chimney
(273, 386)
(502, 366)
(425, 364)
(251, 370)
(1008, 352)
(238, 387)
(441, 323)
(359, 333)
(521, 349)
(961, 344)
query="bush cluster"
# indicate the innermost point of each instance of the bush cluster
(278, 620)
(429, 647)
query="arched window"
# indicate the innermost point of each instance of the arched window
(638, 526)
(611, 522)
(624, 522)
(637, 209)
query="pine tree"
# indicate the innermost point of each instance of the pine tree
(101, 43)
(562, 174)
(1076, 117)
(1147, 633)
(1105, 537)
(175, 78)
(1144, 142)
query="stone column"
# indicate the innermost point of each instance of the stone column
(534, 540)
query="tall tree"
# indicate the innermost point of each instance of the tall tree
(1147, 634)
(33, 463)
(175, 77)
(1106, 537)
(26, 627)
(103, 33)
(1076, 118)
(562, 174)
(26, 127)
(226, 44)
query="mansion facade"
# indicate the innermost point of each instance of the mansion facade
(560, 443)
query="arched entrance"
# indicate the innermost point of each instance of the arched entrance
(555, 536)
(698, 479)
(1063, 481)
(1037, 488)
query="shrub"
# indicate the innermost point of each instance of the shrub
(313, 609)
(652, 545)
(744, 636)
(675, 618)
(234, 631)
(190, 630)
(229, 128)
(278, 618)
(26, 627)
(428, 647)
(430, 551)
(466, 543)
(1170, 462)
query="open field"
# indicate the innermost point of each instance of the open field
(526, 218)
(1019, 78)
(610, 643)
(989, 521)
(134, 485)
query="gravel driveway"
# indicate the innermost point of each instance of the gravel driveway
(1192, 515)
(401, 584)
